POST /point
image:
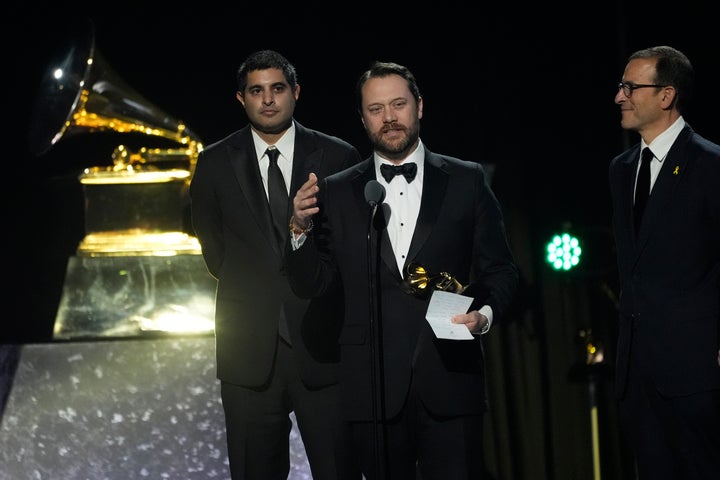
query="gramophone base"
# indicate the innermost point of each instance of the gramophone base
(135, 296)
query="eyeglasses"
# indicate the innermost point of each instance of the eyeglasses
(629, 88)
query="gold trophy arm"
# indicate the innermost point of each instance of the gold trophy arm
(420, 283)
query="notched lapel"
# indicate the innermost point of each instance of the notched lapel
(669, 177)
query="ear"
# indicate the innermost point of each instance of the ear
(420, 107)
(296, 93)
(668, 97)
(240, 97)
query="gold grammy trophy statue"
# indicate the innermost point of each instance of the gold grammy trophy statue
(137, 271)
(420, 283)
(135, 205)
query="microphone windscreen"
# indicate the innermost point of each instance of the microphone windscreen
(374, 193)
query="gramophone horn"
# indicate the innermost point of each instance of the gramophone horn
(421, 283)
(82, 93)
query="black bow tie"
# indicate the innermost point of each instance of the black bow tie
(407, 170)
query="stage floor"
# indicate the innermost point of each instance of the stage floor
(118, 409)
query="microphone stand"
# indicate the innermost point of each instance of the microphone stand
(376, 345)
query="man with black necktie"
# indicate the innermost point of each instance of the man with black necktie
(668, 251)
(642, 186)
(442, 215)
(267, 372)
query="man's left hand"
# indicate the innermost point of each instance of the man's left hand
(474, 321)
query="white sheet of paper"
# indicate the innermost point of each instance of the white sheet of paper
(443, 305)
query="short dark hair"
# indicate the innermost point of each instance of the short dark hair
(383, 69)
(262, 60)
(672, 68)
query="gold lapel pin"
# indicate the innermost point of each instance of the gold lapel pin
(677, 170)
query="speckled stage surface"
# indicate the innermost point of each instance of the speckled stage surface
(120, 409)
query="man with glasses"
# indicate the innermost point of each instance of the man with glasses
(666, 223)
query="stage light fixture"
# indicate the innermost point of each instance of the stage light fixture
(563, 252)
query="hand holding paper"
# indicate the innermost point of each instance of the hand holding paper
(443, 305)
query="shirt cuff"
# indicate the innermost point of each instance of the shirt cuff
(487, 311)
(297, 240)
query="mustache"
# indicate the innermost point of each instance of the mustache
(392, 126)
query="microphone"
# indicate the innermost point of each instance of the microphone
(374, 193)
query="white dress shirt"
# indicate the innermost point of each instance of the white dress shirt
(404, 201)
(286, 147)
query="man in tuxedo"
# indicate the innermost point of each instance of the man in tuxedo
(666, 223)
(414, 400)
(276, 353)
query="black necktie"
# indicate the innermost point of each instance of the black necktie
(408, 170)
(278, 198)
(642, 188)
(277, 195)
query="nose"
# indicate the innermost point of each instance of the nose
(620, 96)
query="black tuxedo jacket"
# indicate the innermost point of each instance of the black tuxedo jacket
(231, 218)
(670, 272)
(460, 230)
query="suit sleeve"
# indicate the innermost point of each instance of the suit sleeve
(494, 277)
(311, 268)
(205, 216)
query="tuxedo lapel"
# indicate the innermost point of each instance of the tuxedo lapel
(306, 159)
(629, 165)
(247, 173)
(386, 251)
(366, 173)
(435, 181)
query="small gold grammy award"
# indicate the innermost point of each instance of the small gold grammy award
(420, 283)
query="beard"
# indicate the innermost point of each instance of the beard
(273, 128)
(396, 149)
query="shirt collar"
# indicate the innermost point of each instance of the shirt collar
(417, 156)
(286, 143)
(662, 143)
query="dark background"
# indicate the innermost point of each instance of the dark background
(528, 89)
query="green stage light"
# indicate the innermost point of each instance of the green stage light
(563, 252)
